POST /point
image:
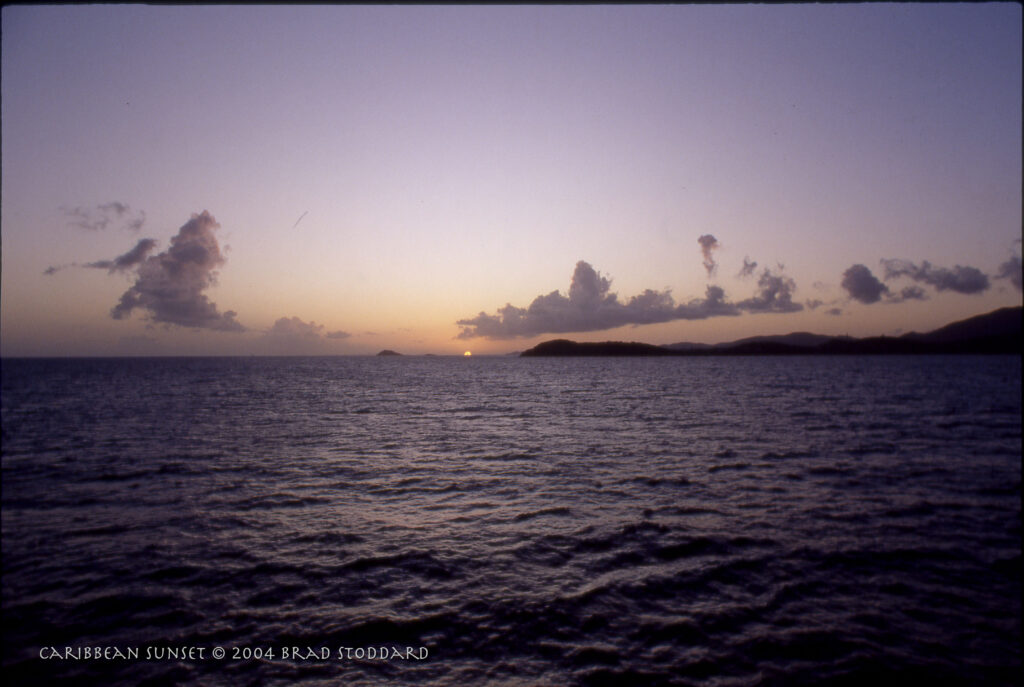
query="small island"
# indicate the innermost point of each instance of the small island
(388, 352)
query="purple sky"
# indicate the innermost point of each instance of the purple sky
(375, 176)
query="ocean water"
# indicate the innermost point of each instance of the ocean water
(506, 521)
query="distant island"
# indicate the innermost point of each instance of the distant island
(996, 332)
(388, 352)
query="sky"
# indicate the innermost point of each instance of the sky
(277, 180)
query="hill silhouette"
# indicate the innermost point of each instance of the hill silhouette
(996, 332)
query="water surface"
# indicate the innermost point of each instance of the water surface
(730, 521)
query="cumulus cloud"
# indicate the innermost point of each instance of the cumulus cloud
(862, 285)
(961, 279)
(102, 216)
(127, 261)
(865, 287)
(775, 294)
(1011, 269)
(170, 285)
(293, 327)
(707, 244)
(748, 267)
(591, 306)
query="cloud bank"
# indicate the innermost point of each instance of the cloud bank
(863, 286)
(169, 286)
(960, 279)
(590, 306)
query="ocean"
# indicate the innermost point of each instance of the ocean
(791, 520)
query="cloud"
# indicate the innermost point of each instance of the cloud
(961, 279)
(748, 267)
(775, 294)
(121, 263)
(294, 327)
(909, 293)
(293, 336)
(170, 285)
(127, 261)
(834, 311)
(1011, 269)
(862, 285)
(102, 216)
(590, 306)
(707, 244)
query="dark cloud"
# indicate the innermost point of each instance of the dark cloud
(1011, 269)
(814, 304)
(707, 244)
(170, 285)
(834, 311)
(961, 279)
(590, 306)
(127, 261)
(862, 285)
(102, 216)
(748, 267)
(775, 294)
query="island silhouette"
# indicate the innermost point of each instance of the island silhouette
(997, 332)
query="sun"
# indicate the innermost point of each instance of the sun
(468, 353)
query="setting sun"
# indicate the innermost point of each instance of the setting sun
(649, 220)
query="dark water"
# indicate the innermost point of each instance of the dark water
(748, 521)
